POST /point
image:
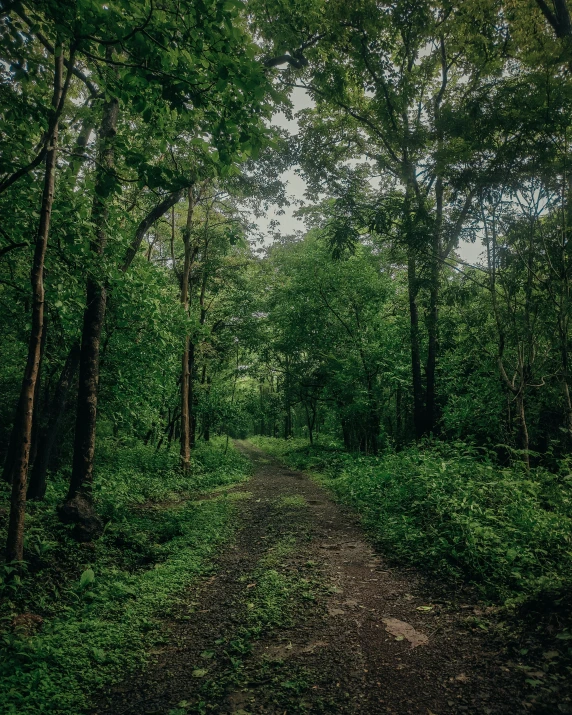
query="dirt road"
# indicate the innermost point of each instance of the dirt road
(300, 615)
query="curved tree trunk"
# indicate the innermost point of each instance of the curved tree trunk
(23, 433)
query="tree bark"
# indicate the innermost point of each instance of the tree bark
(207, 414)
(15, 435)
(524, 440)
(432, 318)
(185, 451)
(418, 401)
(154, 215)
(36, 415)
(15, 541)
(192, 397)
(47, 439)
(94, 315)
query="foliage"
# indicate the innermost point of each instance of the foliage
(102, 607)
(449, 508)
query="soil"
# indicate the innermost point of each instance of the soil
(360, 636)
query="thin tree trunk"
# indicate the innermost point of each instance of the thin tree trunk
(15, 435)
(524, 440)
(567, 406)
(418, 402)
(15, 541)
(10, 459)
(309, 423)
(192, 397)
(172, 428)
(432, 322)
(36, 417)
(207, 414)
(47, 440)
(185, 451)
(94, 315)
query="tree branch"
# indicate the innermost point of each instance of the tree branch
(146, 224)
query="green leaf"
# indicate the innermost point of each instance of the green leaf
(87, 578)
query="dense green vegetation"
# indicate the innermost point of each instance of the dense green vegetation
(145, 320)
(103, 607)
(454, 511)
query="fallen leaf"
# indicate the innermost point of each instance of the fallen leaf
(399, 628)
(551, 654)
(251, 585)
(200, 672)
(424, 608)
(207, 654)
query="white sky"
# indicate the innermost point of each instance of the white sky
(296, 186)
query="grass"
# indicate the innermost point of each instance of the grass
(102, 604)
(275, 601)
(451, 509)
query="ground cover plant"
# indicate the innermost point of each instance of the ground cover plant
(455, 511)
(98, 608)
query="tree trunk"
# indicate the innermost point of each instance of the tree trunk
(185, 451)
(432, 318)
(23, 434)
(207, 413)
(10, 459)
(36, 417)
(567, 406)
(310, 424)
(172, 428)
(47, 440)
(524, 441)
(192, 397)
(15, 435)
(94, 315)
(418, 402)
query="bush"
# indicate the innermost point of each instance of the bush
(101, 604)
(451, 509)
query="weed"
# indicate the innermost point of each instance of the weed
(295, 500)
(101, 605)
(452, 509)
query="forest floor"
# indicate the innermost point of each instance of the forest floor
(301, 615)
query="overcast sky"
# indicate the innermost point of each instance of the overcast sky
(288, 223)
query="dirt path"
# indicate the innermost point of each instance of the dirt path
(300, 615)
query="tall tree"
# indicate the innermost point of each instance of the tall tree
(24, 415)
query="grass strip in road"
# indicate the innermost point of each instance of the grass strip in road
(275, 600)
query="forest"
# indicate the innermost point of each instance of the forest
(249, 468)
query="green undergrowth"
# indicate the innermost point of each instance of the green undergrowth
(451, 509)
(102, 604)
(276, 599)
